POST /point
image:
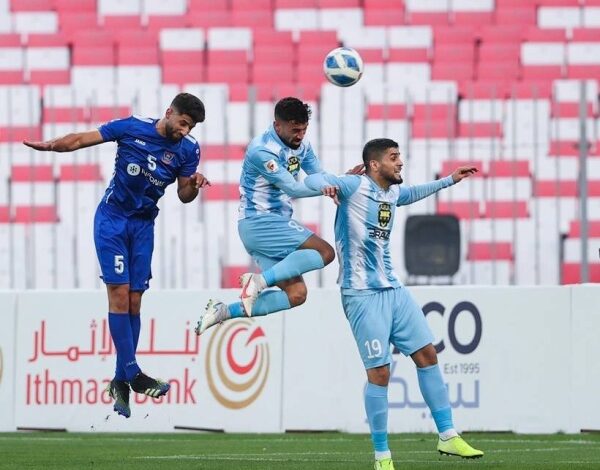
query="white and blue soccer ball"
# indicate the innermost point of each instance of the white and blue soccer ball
(343, 66)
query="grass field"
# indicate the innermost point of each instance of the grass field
(286, 451)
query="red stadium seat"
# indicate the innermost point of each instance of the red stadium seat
(31, 173)
(137, 55)
(571, 273)
(209, 19)
(440, 129)
(461, 209)
(593, 229)
(480, 129)
(509, 168)
(31, 5)
(4, 214)
(233, 73)
(383, 17)
(387, 111)
(10, 40)
(70, 22)
(513, 16)
(47, 40)
(275, 54)
(223, 152)
(250, 18)
(35, 214)
(490, 251)
(506, 210)
(20, 133)
(409, 55)
(272, 74)
(80, 172)
(221, 192)
(542, 72)
(49, 77)
(91, 55)
(183, 74)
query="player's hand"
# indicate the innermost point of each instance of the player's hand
(463, 172)
(43, 146)
(198, 180)
(357, 170)
(331, 191)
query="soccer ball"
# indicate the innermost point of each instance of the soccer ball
(343, 66)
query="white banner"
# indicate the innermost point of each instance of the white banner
(513, 358)
(583, 355)
(229, 379)
(8, 302)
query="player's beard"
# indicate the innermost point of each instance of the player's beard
(170, 133)
(393, 179)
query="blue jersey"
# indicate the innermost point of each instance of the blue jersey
(363, 224)
(146, 163)
(269, 176)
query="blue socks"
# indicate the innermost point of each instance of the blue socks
(136, 324)
(122, 335)
(435, 394)
(296, 263)
(268, 301)
(376, 405)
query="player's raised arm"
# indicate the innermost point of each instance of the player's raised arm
(411, 194)
(68, 143)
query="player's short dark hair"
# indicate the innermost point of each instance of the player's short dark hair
(186, 103)
(292, 109)
(374, 150)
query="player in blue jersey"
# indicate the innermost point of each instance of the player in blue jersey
(282, 247)
(151, 154)
(379, 308)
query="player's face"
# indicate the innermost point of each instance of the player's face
(291, 132)
(177, 125)
(391, 166)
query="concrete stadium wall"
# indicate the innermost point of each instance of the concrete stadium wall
(514, 358)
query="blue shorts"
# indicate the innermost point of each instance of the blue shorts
(124, 247)
(269, 238)
(383, 317)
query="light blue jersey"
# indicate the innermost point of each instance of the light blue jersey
(269, 178)
(363, 224)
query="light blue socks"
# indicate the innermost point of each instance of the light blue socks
(268, 301)
(435, 394)
(376, 405)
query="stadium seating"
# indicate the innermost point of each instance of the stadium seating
(490, 83)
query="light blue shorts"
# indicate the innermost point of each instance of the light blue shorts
(383, 317)
(269, 238)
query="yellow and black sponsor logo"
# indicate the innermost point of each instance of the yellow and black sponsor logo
(384, 214)
(293, 164)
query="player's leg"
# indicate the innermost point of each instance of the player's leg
(299, 250)
(370, 320)
(110, 239)
(141, 234)
(412, 336)
(290, 294)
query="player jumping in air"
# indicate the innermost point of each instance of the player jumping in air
(151, 154)
(378, 307)
(282, 247)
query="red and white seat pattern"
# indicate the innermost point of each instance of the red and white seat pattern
(494, 83)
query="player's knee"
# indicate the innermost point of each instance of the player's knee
(118, 298)
(426, 356)
(297, 295)
(379, 376)
(135, 302)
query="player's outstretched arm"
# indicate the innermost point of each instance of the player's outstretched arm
(188, 186)
(68, 143)
(463, 172)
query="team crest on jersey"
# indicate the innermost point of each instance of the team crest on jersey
(168, 157)
(271, 166)
(384, 215)
(293, 164)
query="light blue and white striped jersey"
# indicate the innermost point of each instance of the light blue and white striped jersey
(269, 176)
(363, 224)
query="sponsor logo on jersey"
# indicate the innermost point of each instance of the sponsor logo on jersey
(140, 142)
(271, 166)
(293, 164)
(168, 157)
(133, 169)
(384, 214)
